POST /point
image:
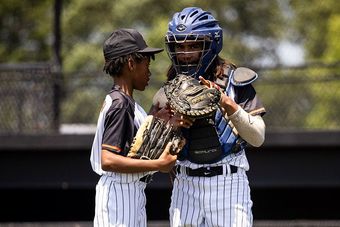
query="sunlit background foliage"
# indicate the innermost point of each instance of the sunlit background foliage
(260, 34)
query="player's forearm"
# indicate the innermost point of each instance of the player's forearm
(250, 128)
(117, 163)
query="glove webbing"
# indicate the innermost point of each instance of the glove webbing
(158, 138)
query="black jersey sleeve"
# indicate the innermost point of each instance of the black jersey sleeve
(119, 126)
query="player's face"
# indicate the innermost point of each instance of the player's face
(188, 52)
(142, 76)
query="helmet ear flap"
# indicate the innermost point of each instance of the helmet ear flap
(217, 41)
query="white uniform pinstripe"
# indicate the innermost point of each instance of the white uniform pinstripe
(120, 198)
(222, 200)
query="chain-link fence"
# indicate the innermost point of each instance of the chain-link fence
(34, 101)
(83, 96)
(301, 98)
(29, 98)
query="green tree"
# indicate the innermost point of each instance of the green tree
(332, 51)
(248, 36)
(317, 28)
(24, 33)
(314, 24)
(252, 32)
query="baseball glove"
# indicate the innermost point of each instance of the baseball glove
(187, 96)
(152, 137)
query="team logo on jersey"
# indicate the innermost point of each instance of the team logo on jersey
(181, 27)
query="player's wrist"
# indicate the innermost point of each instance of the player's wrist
(227, 105)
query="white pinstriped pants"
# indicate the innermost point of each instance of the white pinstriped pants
(120, 204)
(222, 200)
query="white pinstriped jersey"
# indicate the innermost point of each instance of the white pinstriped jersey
(139, 115)
(120, 198)
(220, 200)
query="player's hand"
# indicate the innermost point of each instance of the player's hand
(164, 113)
(227, 105)
(179, 120)
(167, 160)
(209, 83)
(154, 109)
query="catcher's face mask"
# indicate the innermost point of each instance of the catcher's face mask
(188, 53)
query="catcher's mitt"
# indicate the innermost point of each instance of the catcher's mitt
(152, 137)
(187, 96)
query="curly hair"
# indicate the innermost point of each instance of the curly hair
(114, 67)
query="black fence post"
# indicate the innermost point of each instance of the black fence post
(58, 78)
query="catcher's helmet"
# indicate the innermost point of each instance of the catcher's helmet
(193, 24)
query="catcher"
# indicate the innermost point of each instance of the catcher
(211, 186)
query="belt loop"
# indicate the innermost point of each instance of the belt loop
(178, 169)
(225, 170)
(228, 170)
(183, 170)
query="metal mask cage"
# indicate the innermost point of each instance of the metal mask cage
(187, 68)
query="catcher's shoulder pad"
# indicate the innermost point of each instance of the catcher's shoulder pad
(160, 98)
(243, 76)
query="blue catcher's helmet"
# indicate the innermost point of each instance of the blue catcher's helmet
(194, 25)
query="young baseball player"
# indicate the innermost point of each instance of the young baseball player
(120, 198)
(211, 186)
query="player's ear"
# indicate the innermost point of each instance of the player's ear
(131, 64)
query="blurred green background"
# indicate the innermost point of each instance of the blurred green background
(51, 57)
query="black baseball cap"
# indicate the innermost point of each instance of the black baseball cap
(126, 41)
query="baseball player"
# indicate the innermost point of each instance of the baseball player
(211, 186)
(120, 198)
